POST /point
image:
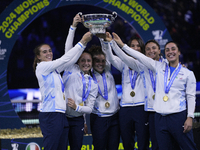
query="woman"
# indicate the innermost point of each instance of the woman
(53, 121)
(152, 50)
(80, 89)
(174, 97)
(132, 116)
(104, 120)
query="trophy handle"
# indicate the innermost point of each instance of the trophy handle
(114, 14)
(80, 14)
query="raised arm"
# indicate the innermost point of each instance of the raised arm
(108, 63)
(70, 36)
(148, 62)
(129, 61)
(68, 58)
(114, 60)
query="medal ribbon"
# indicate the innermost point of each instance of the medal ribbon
(85, 95)
(104, 84)
(133, 80)
(167, 87)
(160, 60)
(153, 82)
(63, 87)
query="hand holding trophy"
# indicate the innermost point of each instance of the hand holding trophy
(97, 23)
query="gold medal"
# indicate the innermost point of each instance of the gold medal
(81, 104)
(63, 96)
(107, 104)
(165, 98)
(153, 96)
(132, 93)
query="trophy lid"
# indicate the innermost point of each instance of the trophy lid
(99, 16)
(98, 22)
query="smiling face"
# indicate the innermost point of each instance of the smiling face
(45, 53)
(85, 62)
(172, 53)
(99, 63)
(135, 45)
(152, 50)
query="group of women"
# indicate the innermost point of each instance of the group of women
(158, 95)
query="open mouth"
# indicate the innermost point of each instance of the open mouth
(171, 55)
(100, 67)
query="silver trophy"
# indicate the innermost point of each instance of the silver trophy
(97, 23)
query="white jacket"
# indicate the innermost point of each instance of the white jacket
(50, 81)
(72, 79)
(144, 72)
(99, 107)
(126, 99)
(182, 92)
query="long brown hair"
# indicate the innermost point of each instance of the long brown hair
(141, 43)
(37, 53)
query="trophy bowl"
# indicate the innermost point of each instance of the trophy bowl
(97, 23)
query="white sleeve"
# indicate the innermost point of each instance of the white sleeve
(129, 61)
(69, 45)
(146, 61)
(70, 38)
(191, 94)
(108, 64)
(83, 109)
(89, 103)
(114, 60)
(66, 60)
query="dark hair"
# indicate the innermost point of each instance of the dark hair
(96, 50)
(37, 53)
(153, 41)
(141, 43)
(83, 53)
(174, 43)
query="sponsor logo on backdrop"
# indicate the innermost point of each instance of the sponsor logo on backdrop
(158, 36)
